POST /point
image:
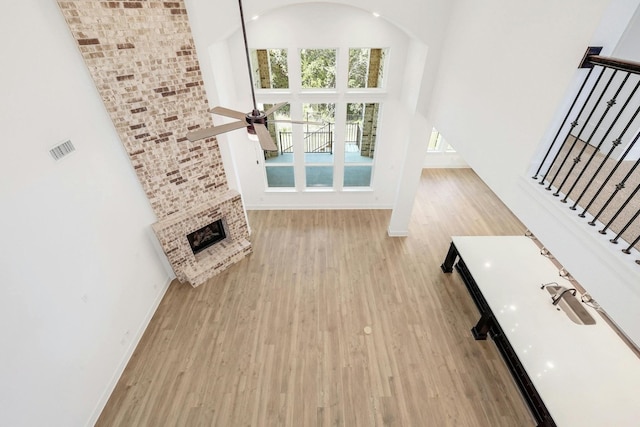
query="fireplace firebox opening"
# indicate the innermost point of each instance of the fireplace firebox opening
(207, 236)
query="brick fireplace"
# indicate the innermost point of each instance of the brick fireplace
(142, 58)
(193, 268)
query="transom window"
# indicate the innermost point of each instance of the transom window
(318, 68)
(270, 68)
(366, 68)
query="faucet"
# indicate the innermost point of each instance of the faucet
(557, 299)
(544, 285)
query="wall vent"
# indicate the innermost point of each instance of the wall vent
(61, 150)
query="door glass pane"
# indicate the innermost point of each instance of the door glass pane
(319, 176)
(318, 68)
(366, 67)
(360, 143)
(318, 132)
(270, 68)
(281, 132)
(360, 132)
(357, 176)
(280, 176)
(318, 140)
(279, 164)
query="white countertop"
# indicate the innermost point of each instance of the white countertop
(585, 374)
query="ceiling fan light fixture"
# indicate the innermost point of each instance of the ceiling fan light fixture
(251, 131)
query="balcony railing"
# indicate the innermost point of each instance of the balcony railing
(320, 140)
(592, 162)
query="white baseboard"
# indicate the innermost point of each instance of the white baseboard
(444, 160)
(316, 207)
(127, 355)
(397, 233)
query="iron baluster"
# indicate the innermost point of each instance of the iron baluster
(576, 159)
(613, 170)
(632, 244)
(610, 104)
(555, 138)
(619, 187)
(624, 205)
(615, 143)
(573, 125)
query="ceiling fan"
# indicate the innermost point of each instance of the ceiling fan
(255, 121)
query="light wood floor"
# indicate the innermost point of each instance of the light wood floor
(278, 340)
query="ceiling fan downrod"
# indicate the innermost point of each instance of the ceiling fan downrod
(255, 111)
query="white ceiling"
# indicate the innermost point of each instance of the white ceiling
(418, 18)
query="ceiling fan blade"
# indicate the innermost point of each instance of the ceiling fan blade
(214, 130)
(297, 122)
(266, 142)
(275, 108)
(227, 112)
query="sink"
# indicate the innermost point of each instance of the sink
(571, 306)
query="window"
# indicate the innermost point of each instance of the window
(318, 68)
(437, 143)
(308, 153)
(318, 144)
(270, 68)
(366, 68)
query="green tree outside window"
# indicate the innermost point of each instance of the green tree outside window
(318, 68)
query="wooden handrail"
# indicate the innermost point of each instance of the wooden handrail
(615, 63)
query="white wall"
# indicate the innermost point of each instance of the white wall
(628, 48)
(79, 272)
(506, 74)
(444, 160)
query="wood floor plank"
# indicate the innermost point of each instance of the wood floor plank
(279, 339)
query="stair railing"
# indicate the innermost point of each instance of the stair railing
(606, 106)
